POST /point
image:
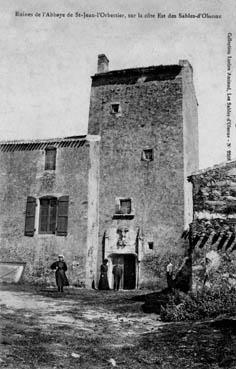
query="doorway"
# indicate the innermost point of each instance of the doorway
(128, 263)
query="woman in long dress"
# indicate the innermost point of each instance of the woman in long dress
(103, 281)
(61, 278)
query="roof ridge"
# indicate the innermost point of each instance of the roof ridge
(43, 140)
(138, 69)
(215, 166)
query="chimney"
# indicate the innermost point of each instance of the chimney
(103, 64)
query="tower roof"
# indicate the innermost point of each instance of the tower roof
(133, 75)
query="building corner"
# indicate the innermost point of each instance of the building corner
(93, 211)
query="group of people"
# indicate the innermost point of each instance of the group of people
(117, 272)
(60, 268)
(61, 279)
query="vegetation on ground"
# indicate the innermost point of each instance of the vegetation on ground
(204, 304)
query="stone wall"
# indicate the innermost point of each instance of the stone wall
(150, 116)
(214, 192)
(22, 174)
(213, 231)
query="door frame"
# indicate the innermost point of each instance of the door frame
(110, 267)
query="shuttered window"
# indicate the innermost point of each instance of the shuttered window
(50, 158)
(53, 216)
(30, 216)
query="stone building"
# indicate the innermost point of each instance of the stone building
(120, 193)
(147, 121)
(213, 230)
(47, 208)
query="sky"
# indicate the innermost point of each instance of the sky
(46, 62)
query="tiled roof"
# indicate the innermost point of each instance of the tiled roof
(22, 145)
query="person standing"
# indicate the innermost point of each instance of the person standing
(60, 275)
(117, 272)
(169, 275)
(103, 281)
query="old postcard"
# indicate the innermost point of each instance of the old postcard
(118, 184)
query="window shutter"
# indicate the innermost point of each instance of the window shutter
(62, 215)
(52, 215)
(30, 216)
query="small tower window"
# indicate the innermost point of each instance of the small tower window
(50, 158)
(125, 206)
(115, 108)
(147, 155)
(150, 245)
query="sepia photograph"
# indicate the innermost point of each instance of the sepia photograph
(118, 184)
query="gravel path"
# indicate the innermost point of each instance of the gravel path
(90, 316)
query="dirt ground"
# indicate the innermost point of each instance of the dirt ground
(92, 329)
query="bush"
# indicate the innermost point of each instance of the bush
(208, 303)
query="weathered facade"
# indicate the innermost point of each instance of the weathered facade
(147, 120)
(125, 183)
(213, 230)
(44, 204)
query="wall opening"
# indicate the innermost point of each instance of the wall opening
(115, 108)
(147, 155)
(128, 264)
(50, 158)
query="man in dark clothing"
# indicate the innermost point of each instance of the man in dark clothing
(61, 278)
(117, 272)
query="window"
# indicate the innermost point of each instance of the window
(53, 215)
(50, 158)
(115, 108)
(125, 206)
(150, 245)
(147, 155)
(48, 215)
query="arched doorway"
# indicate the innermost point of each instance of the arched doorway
(128, 263)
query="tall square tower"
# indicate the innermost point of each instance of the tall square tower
(147, 120)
